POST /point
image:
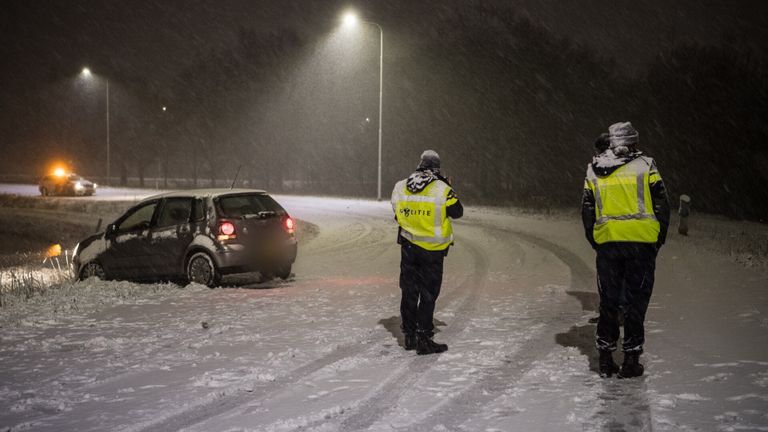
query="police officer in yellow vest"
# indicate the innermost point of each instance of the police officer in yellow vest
(626, 215)
(423, 204)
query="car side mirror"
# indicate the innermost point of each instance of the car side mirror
(111, 230)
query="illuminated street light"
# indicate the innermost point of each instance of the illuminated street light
(86, 73)
(351, 20)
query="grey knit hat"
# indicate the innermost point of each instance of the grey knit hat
(623, 134)
(429, 160)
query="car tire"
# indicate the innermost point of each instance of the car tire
(43, 191)
(283, 272)
(92, 269)
(201, 269)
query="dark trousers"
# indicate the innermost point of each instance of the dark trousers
(421, 274)
(625, 273)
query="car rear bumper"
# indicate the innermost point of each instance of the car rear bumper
(238, 258)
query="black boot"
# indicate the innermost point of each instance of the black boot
(426, 345)
(410, 342)
(607, 367)
(631, 367)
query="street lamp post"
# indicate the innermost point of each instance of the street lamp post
(350, 19)
(87, 74)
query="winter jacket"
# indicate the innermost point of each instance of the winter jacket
(417, 183)
(605, 164)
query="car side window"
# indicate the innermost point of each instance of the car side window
(175, 211)
(198, 213)
(140, 218)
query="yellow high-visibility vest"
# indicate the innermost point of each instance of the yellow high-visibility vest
(623, 203)
(422, 215)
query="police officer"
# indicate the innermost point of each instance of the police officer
(423, 204)
(626, 215)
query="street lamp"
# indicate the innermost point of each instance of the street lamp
(350, 20)
(86, 73)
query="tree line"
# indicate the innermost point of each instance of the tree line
(512, 109)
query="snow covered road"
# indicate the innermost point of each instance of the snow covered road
(323, 351)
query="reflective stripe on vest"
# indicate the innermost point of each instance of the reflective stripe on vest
(436, 194)
(435, 240)
(639, 226)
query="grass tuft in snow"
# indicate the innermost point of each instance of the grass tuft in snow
(20, 284)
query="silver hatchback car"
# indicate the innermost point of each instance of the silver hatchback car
(196, 236)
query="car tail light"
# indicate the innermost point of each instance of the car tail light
(289, 225)
(226, 231)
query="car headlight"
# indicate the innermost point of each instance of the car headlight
(95, 185)
(79, 186)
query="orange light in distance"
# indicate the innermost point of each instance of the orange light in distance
(53, 251)
(59, 172)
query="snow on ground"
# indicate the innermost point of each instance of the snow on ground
(323, 351)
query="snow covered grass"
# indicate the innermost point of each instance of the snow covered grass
(21, 284)
(745, 242)
(53, 295)
(67, 204)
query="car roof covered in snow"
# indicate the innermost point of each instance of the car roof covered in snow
(212, 192)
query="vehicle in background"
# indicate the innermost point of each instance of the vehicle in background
(61, 183)
(193, 236)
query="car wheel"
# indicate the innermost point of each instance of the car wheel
(283, 272)
(202, 270)
(43, 191)
(92, 269)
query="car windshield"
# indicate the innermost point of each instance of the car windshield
(74, 177)
(235, 206)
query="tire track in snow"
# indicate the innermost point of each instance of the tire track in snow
(360, 228)
(205, 410)
(237, 397)
(357, 231)
(496, 380)
(367, 234)
(385, 397)
(199, 413)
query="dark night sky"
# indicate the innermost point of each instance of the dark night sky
(43, 39)
(46, 42)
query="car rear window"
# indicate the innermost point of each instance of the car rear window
(235, 206)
